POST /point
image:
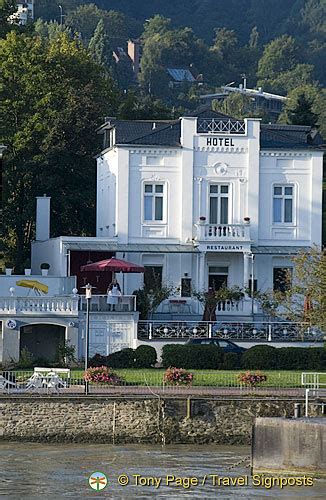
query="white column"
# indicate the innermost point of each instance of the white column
(188, 131)
(202, 272)
(253, 133)
(246, 270)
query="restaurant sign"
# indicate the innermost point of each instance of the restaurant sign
(224, 247)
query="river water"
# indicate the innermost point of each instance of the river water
(33, 470)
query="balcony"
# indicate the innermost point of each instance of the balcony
(39, 305)
(223, 232)
(98, 303)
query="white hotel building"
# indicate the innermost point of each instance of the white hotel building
(192, 200)
(194, 197)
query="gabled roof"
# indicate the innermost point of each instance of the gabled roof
(279, 136)
(168, 132)
(181, 75)
(151, 133)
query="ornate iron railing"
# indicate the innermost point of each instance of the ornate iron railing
(267, 331)
(215, 126)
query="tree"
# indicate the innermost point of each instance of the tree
(149, 298)
(52, 99)
(99, 46)
(254, 37)
(305, 300)
(304, 296)
(298, 108)
(235, 104)
(143, 107)
(238, 106)
(51, 30)
(85, 19)
(279, 68)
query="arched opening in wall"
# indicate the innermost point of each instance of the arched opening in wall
(42, 340)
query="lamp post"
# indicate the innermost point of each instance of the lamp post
(61, 14)
(88, 296)
(252, 287)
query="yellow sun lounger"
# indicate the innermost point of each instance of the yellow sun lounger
(34, 285)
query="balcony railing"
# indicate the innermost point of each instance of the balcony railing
(223, 232)
(126, 303)
(39, 305)
(212, 125)
(257, 331)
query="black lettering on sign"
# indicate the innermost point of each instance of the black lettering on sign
(219, 141)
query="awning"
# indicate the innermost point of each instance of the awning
(108, 246)
(276, 250)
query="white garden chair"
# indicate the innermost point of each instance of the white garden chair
(35, 382)
(6, 384)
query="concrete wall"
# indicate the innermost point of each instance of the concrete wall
(98, 419)
(289, 446)
(57, 285)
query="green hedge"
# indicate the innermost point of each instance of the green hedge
(142, 357)
(196, 357)
(259, 357)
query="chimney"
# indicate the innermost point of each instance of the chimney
(43, 218)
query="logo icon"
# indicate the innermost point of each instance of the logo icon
(98, 481)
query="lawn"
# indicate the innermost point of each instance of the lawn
(215, 378)
(204, 378)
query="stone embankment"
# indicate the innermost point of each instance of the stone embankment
(143, 420)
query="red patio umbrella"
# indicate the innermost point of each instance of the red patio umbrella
(114, 265)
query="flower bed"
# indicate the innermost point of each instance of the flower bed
(178, 376)
(252, 379)
(101, 375)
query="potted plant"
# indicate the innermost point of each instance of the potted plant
(28, 269)
(202, 219)
(45, 268)
(9, 268)
(246, 220)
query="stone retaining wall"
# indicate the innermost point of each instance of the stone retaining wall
(99, 419)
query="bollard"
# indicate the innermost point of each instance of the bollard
(297, 410)
(188, 407)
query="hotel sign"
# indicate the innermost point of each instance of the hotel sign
(220, 141)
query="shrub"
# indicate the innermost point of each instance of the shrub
(101, 375)
(252, 379)
(172, 355)
(26, 359)
(194, 356)
(98, 360)
(145, 356)
(260, 357)
(178, 376)
(231, 361)
(301, 358)
(121, 359)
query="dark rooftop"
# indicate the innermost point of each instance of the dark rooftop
(167, 133)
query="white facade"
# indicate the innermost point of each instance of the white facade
(207, 201)
(25, 12)
(280, 190)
